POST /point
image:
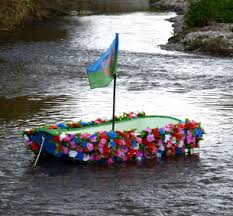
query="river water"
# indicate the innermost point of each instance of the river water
(43, 80)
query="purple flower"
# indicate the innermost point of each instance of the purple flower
(150, 138)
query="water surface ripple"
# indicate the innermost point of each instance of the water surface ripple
(43, 80)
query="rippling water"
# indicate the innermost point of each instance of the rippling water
(43, 80)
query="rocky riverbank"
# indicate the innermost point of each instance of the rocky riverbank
(179, 6)
(214, 39)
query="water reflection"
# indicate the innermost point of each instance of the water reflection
(45, 32)
(120, 5)
(24, 107)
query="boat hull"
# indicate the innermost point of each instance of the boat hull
(137, 137)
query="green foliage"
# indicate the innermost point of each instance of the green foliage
(202, 12)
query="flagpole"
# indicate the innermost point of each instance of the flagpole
(114, 102)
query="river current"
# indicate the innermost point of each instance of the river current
(43, 80)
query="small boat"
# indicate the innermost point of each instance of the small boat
(136, 137)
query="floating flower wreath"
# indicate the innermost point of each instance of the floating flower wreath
(114, 146)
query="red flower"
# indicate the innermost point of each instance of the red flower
(175, 130)
(120, 133)
(56, 139)
(179, 136)
(53, 127)
(181, 125)
(34, 147)
(76, 125)
(106, 151)
(131, 153)
(128, 143)
(117, 141)
(59, 147)
(29, 132)
(156, 132)
(173, 151)
(151, 146)
(145, 142)
(103, 136)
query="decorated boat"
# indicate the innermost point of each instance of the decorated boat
(132, 136)
(137, 137)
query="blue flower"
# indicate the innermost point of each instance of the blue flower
(84, 144)
(178, 151)
(83, 123)
(134, 143)
(93, 136)
(112, 134)
(161, 131)
(80, 156)
(160, 152)
(61, 125)
(75, 139)
(112, 144)
(198, 132)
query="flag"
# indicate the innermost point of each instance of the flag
(101, 73)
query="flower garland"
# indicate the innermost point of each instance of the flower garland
(115, 146)
(81, 124)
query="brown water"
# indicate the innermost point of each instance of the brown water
(43, 79)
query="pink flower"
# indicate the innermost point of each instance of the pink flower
(189, 137)
(160, 142)
(101, 148)
(90, 146)
(168, 127)
(132, 115)
(103, 141)
(66, 139)
(148, 130)
(169, 145)
(139, 140)
(84, 135)
(117, 153)
(122, 142)
(64, 150)
(79, 149)
(29, 142)
(123, 157)
(110, 161)
(150, 138)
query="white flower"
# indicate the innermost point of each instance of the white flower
(173, 140)
(73, 133)
(139, 158)
(62, 136)
(136, 147)
(181, 144)
(26, 137)
(86, 157)
(167, 137)
(72, 153)
(161, 148)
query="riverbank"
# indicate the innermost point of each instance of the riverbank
(214, 38)
(15, 14)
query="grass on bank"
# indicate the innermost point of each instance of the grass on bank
(15, 13)
(203, 12)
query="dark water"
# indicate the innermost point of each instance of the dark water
(42, 79)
